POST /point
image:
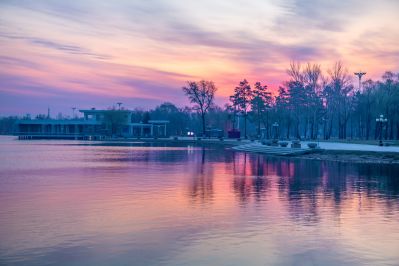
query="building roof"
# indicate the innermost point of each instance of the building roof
(104, 111)
(158, 121)
(57, 122)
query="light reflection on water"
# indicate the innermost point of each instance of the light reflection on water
(88, 203)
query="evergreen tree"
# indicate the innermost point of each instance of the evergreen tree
(243, 97)
(260, 105)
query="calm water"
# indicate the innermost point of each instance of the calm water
(86, 203)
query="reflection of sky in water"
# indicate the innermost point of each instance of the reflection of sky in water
(102, 204)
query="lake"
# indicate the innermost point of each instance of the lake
(93, 203)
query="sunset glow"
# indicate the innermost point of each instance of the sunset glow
(60, 54)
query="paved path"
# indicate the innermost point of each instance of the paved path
(354, 147)
(323, 145)
(275, 150)
(258, 147)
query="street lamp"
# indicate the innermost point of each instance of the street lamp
(360, 74)
(119, 104)
(73, 112)
(381, 120)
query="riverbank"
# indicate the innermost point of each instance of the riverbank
(331, 151)
(184, 140)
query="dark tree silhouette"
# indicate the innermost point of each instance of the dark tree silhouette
(201, 94)
(242, 98)
(260, 104)
(114, 119)
(307, 105)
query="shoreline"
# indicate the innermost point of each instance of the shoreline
(343, 156)
(346, 156)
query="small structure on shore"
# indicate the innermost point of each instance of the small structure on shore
(95, 124)
(233, 134)
(214, 133)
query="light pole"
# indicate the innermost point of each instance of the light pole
(381, 120)
(73, 112)
(119, 104)
(360, 74)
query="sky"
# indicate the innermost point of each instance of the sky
(92, 53)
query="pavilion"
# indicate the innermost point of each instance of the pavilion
(95, 124)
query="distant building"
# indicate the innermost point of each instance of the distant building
(214, 133)
(95, 124)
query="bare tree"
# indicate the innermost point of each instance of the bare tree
(313, 84)
(201, 94)
(295, 72)
(312, 76)
(341, 89)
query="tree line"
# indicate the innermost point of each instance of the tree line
(310, 104)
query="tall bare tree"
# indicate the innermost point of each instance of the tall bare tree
(202, 95)
(341, 89)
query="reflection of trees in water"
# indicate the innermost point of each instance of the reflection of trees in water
(165, 153)
(301, 186)
(250, 179)
(308, 185)
(372, 181)
(201, 187)
(242, 188)
(181, 154)
(305, 184)
(260, 184)
(383, 180)
(314, 183)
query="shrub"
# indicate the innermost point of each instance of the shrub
(283, 144)
(312, 145)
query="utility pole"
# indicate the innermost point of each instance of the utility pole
(360, 74)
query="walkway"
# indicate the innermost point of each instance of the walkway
(260, 148)
(274, 150)
(354, 147)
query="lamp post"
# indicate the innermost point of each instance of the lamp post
(360, 74)
(119, 104)
(380, 121)
(73, 112)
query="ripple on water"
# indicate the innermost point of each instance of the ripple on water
(145, 204)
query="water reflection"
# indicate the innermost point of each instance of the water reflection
(201, 188)
(150, 204)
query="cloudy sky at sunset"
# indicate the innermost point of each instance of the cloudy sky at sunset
(91, 53)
